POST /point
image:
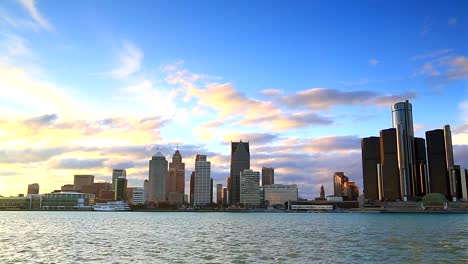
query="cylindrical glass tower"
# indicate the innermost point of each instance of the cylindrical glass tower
(403, 122)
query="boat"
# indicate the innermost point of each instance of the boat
(113, 206)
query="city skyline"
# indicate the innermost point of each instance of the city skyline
(91, 90)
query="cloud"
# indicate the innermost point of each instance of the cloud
(431, 55)
(42, 120)
(325, 98)
(30, 155)
(77, 163)
(254, 138)
(286, 122)
(373, 62)
(452, 21)
(30, 6)
(271, 92)
(444, 69)
(130, 58)
(14, 46)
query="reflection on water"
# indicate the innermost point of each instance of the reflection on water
(133, 237)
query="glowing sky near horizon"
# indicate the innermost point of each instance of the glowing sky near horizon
(87, 86)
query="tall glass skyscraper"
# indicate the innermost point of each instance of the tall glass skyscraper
(403, 123)
(240, 160)
(157, 178)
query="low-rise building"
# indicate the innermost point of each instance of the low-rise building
(278, 194)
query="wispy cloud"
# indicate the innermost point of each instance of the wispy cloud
(452, 21)
(374, 62)
(431, 55)
(356, 83)
(30, 6)
(130, 59)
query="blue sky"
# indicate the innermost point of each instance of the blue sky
(89, 85)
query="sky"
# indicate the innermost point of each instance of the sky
(87, 86)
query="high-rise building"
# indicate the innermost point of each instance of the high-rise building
(157, 178)
(268, 176)
(121, 189)
(278, 194)
(202, 192)
(339, 179)
(33, 188)
(116, 173)
(228, 185)
(249, 188)
(219, 194)
(350, 191)
(450, 161)
(146, 188)
(225, 196)
(192, 187)
(370, 148)
(420, 185)
(82, 180)
(176, 180)
(240, 160)
(388, 169)
(403, 123)
(437, 162)
(211, 190)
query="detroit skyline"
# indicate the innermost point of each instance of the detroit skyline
(87, 94)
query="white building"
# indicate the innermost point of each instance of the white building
(250, 188)
(139, 196)
(202, 190)
(276, 194)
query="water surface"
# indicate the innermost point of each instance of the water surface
(150, 237)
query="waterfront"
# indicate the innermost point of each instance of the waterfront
(150, 237)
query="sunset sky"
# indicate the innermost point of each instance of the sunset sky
(87, 86)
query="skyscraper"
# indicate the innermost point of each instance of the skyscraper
(450, 161)
(176, 180)
(403, 123)
(228, 194)
(322, 193)
(157, 178)
(82, 180)
(219, 194)
(420, 186)
(146, 189)
(33, 188)
(116, 173)
(240, 160)
(268, 176)
(211, 190)
(249, 188)
(202, 192)
(192, 187)
(370, 148)
(121, 189)
(389, 173)
(437, 162)
(339, 179)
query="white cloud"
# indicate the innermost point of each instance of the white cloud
(30, 6)
(373, 62)
(130, 59)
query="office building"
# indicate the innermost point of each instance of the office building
(176, 180)
(240, 160)
(388, 171)
(225, 196)
(219, 194)
(338, 183)
(279, 194)
(268, 176)
(322, 193)
(249, 188)
(403, 123)
(211, 190)
(116, 173)
(420, 185)
(192, 187)
(370, 148)
(139, 196)
(228, 185)
(350, 191)
(33, 188)
(203, 188)
(437, 162)
(121, 189)
(146, 189)
(82, 180)
(157, 178)
(450, 161)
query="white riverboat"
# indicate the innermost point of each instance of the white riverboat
(112, 206)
